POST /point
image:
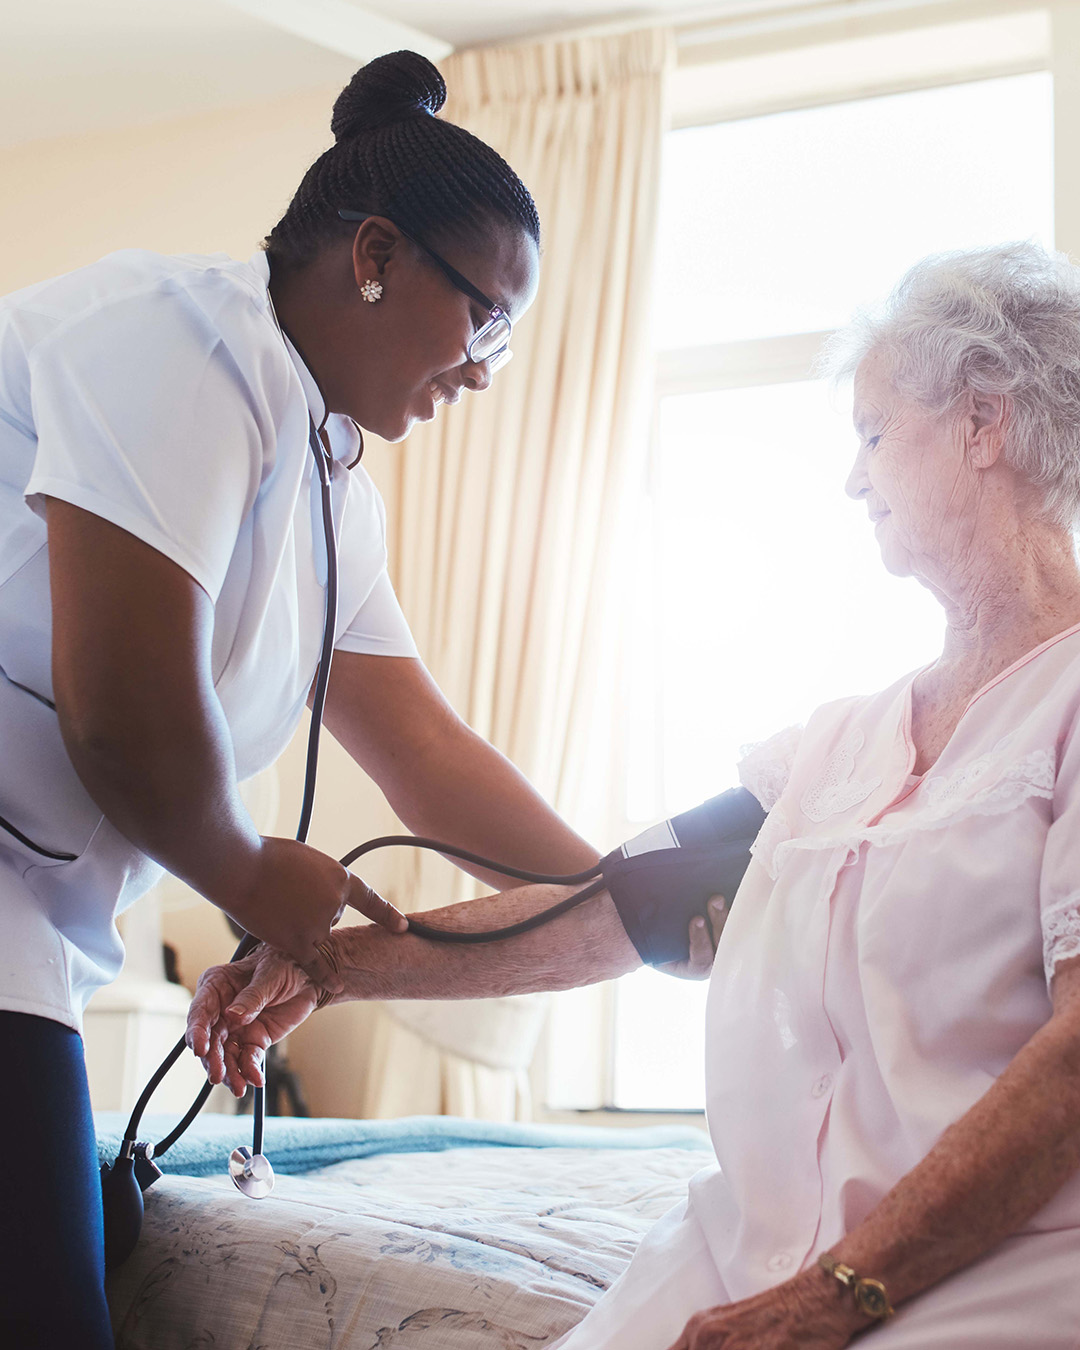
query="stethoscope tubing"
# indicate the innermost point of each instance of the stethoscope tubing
(323, 463)
(248, 942)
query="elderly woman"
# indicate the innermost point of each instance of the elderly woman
(894, 1016)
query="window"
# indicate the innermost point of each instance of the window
(785, 224)
(760, 593)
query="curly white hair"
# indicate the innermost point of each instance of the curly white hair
(993, 321)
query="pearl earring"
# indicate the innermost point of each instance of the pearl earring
(371, 291)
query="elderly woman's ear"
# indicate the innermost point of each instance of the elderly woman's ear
(986, 420)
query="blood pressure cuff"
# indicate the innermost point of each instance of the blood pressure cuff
(665, 877)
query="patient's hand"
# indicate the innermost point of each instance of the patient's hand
(241, 1009)
(704, 938)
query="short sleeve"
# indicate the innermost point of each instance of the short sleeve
(379, 627)
(144, 417)
(765, 768)
(1059, 887)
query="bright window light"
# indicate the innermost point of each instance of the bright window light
(770, 597)
(762, 594)
(785, 224)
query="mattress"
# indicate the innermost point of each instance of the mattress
(484, 1236)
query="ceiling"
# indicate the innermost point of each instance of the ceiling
(471, 22)
(74, 66)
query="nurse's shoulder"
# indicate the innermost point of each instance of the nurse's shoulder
(136, 309)
(131, 271)
(224, 289)
(115, 297)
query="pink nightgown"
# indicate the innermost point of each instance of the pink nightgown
(889, 953)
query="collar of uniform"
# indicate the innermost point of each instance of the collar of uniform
(260, 263)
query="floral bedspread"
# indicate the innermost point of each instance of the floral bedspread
(467, 1249)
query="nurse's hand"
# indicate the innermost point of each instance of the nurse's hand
(292, 897)
(241, 1009)
(805, 1313)
(704, 938)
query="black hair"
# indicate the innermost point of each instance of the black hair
(393, 157)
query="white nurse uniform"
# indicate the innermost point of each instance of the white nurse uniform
(888, 954)
(158, 393)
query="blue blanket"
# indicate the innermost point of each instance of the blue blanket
(295, 1146)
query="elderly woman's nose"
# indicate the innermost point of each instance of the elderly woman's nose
(858, 484)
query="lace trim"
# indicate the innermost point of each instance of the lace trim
(765, 767)
(1061, 934)
(833, 791)
(952, 798)
(1032, 776)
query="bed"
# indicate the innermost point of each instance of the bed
(388, 1235)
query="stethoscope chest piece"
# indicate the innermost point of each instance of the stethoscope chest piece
(251, 1172)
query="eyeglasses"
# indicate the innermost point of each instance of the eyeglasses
(490, 342)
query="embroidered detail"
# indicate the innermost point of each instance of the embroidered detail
(832, 791)
(765, 767)
(1031, 776)
(1061, 934)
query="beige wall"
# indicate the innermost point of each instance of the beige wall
(212, 183)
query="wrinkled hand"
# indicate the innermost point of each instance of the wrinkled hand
(703, 941)
(241, 1009)
(802, 1314)
(293, 895)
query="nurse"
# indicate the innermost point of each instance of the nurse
(162, 578)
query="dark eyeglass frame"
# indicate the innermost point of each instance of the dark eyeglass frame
(497, 315)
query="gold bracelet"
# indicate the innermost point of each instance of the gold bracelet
(329, 955)
(869, 1295)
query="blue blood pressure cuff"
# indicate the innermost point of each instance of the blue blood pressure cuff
(666, 876)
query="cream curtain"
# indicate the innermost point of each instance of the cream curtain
(503, 513)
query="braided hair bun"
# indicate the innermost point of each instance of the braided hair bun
(387, 90)
(393, 157)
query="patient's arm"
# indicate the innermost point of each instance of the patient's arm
(582, 946)
(255, 1002)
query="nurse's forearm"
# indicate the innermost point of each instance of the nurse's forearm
(141, 721)
(168, 786)
(440, 777)
(984, 1179)
(466, 792)
(140, 718)
(583, 946)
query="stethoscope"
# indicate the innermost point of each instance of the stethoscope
(134, 1169)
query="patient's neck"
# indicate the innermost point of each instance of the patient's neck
(1014, 591)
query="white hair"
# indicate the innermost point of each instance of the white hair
(995, 321)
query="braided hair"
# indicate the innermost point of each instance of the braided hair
(393, 157)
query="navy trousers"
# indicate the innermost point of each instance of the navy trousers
(52, 1264)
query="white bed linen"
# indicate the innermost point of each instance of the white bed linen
(467, 1249)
